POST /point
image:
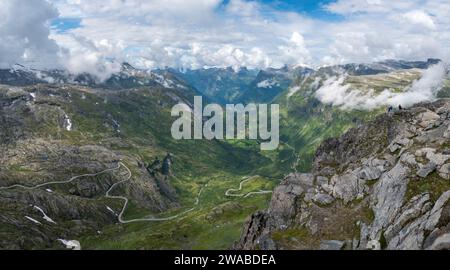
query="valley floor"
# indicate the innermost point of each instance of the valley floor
(213, 222)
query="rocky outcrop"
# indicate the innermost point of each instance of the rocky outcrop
(384, 185)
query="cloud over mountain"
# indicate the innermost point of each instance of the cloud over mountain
(204, 33)
(24, 33)
(335, 91)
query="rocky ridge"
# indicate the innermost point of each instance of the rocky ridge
(384, 185)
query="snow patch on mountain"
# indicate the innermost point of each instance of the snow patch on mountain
(33, 220)
(163, 81)
(67, 123)
(71, 244)
(44, 215)
(268, 84)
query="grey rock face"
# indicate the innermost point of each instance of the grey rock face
(427, 170)
(322, 181)
(348, 187)
(323, 199)
(447, 133)
(427, 118)
(436, 158)
(436, 212)
(407, 231)
(444, 171)
(387, 198)
(253, 230)
(332, 245)
(382, 174)
(370, 173)
(441, 243)
(286, 197)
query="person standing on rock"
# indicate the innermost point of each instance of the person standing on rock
(167, 164)
(390, 109)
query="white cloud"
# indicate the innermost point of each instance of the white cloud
(24, 33)
(335, 92)
(198, 33)
(377, 30)
(189, 34)
(295, 51)
(347, 7)
(420, 18)
(82, 55)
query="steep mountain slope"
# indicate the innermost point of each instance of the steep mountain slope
(227, 86)
(270, 83)
(63, 132)
(307, 120)
(128, 77)
(379, 67)
(51, 134)
(221, 85)
(384, 185)
(77, 131)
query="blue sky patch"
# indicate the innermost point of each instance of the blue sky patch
(65, 24)
(311, 8)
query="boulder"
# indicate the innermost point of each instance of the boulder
(447, 133)
(369, 173)
(444, 171)
(409, 159)
(321, 181)
(284, 200)
(304, 179)
(309, 195)
(442, 110)
(373, 245)
(394, 147)
(436, 212)
(427, 119)
(348, 187)
(412, 210)
(323, 199)
(436, 158)
(427, 170)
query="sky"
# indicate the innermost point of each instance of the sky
(97, 35)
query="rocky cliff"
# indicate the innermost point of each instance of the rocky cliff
(384, 185)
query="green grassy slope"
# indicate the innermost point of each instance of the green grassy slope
(306, 122)
(215, 224)
(144, 117)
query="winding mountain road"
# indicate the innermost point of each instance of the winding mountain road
(241, 186)
(121, 219)
(108, 194)
(126, 201)
(60, 182)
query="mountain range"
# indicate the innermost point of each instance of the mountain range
(75, 148)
